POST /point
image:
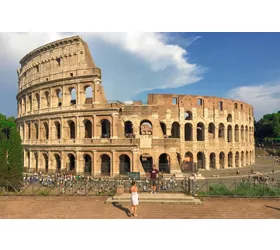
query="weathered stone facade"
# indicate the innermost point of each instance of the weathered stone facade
(66, 123)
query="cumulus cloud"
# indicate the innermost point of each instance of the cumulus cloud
(265, 98)
(131, 62)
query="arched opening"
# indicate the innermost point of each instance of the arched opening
(188, 165)
(146, 127)
(105, 129)
(59, 97)
(128, 129)
(230, 156)
(73, 94)
(88, 95)
(229, 133)
(212, 160)
(163, 128)
(188, 132)
(57, 130)
(221, 131)
(120, 111)
(46, 162)
(88, 129)
(36, 131)
(37, 98)
(28, 131)
(36, 161)
(250, 157)
(200, 160)
(188, 115)
(242, 159)
(57, 162)
(47, 99)
(46, 131)
(211, 131)
(164, 163)
(247, 158)
(30, 102)
(222, 160)
(200, 132)
(87, 164)
(105, 165)
(72, 129)
(71, 166)
(124, 164)
(175, 130)
(236, 134)
(246, 133)
(229, 118)
(242, 133)
(146, 161)
(28, 160)
(237, 159)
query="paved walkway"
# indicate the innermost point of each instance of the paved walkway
(95, 208)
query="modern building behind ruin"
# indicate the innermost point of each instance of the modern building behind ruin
(64, 129)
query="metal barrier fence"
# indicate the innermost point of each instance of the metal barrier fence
(235, 188)
(36, 185)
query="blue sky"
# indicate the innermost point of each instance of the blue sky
(242, 66)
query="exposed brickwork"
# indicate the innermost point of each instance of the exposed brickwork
(66, 123)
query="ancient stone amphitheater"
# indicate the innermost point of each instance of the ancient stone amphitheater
(67, 124)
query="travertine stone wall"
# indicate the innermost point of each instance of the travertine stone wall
(66, 124)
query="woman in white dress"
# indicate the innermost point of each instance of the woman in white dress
(134, 198)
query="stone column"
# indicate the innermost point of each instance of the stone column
(62, 161)
(207, 160)
(114, 127)
(113, 164)
(77, 128)
(226, 160)
(77, 162)
(94, 118)
(61, 129)
(96, 164)
(30, 159)
(50, 131)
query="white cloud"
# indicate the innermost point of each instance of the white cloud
(131, 62)
(265, 98)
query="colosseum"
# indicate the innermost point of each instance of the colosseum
(66, 123)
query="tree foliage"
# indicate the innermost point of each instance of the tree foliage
(268, 126)
(11, 151)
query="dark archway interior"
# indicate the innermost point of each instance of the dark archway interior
(105, 129)
(105, 165)
(164, 163)
(124, 164)
(146, 161)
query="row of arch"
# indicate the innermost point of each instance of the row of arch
(106, 166)
(237, 159)
(48, 98)
(222, 132)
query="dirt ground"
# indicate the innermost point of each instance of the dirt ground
(75, 207)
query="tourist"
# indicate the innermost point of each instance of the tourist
(134, 198)
(153, 178)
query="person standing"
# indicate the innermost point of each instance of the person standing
(134, 199)
(153, 178)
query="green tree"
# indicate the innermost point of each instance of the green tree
(15, 157)
(4, 171)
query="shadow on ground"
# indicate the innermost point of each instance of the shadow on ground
(273, 208)
(119, 206)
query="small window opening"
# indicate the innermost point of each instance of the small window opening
(235, 106)
(37, 68)
(71, 74)
(200, 101)
(174, 100)
(220, 105)
(58, 61)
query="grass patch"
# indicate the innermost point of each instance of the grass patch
(241, 189)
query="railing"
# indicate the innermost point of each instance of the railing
(253, 187)
(60, 186)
